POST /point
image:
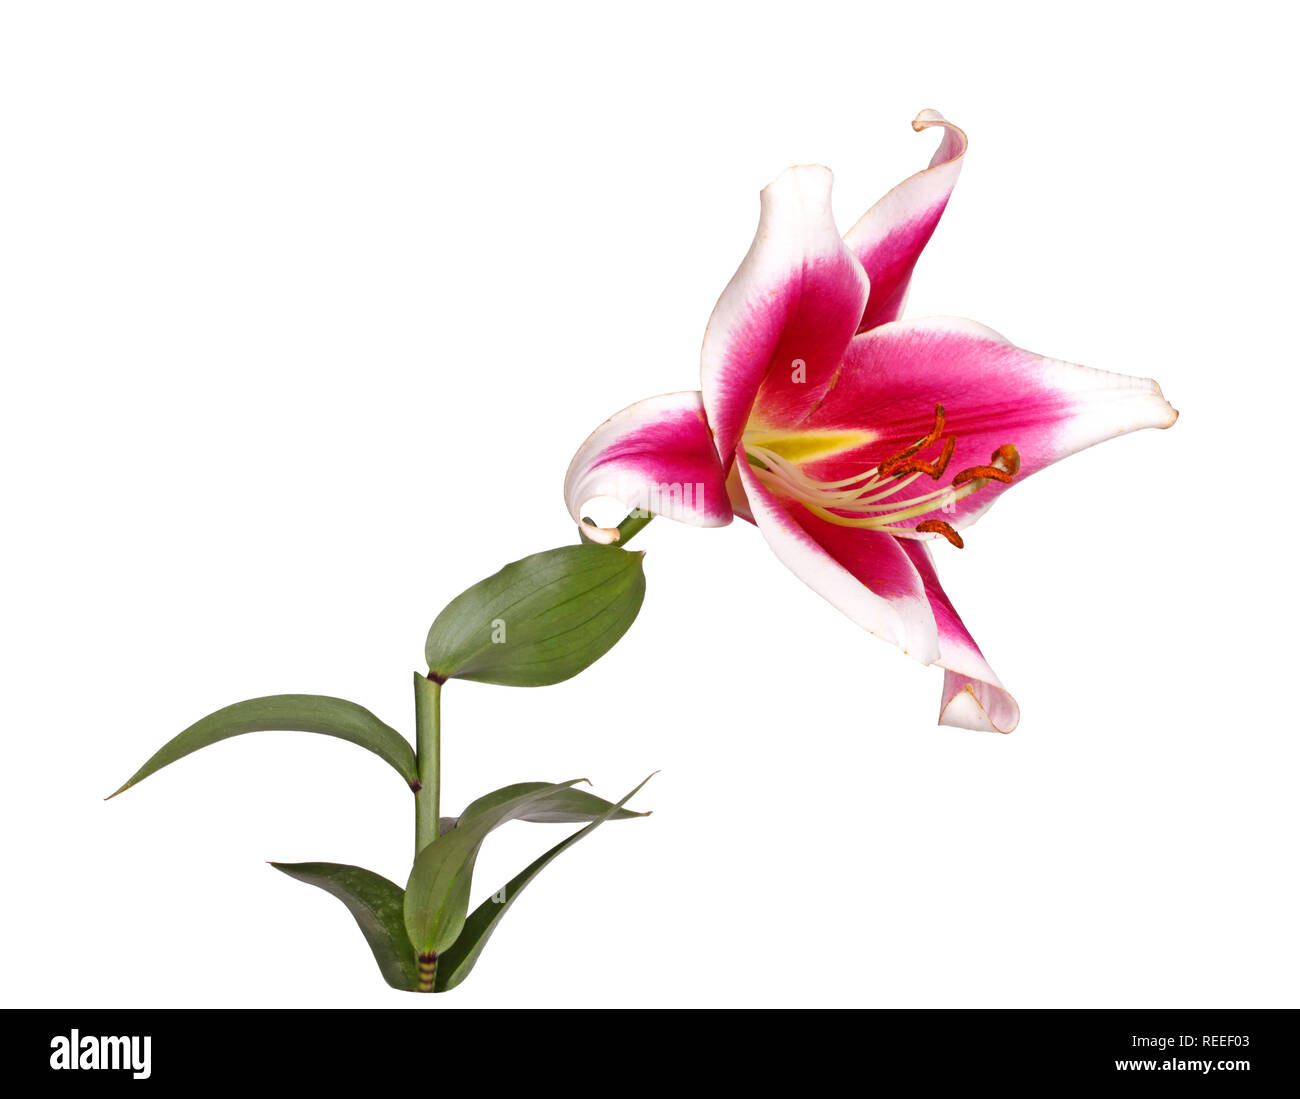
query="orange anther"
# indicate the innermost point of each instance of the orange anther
(1007, 457)
(935, 469)
(938, 526)
(899, 463)
(983, 473)
(935, 431)
(917, 464)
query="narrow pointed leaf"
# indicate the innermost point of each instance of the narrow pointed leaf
(566, 805)
(376, 905)
(437, 892)
(456, 962)
(539, 620)
(304, 713)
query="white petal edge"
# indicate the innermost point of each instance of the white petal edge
(915, 632)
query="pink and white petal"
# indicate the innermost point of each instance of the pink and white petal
(973, 696)
(784, 320)
(655, 455)
(890, 236)
(993, 393)
(864, 573)
(736, 494)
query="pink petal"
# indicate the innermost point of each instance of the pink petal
(863, 573)
(656, 455)
(736, 494)
(784, 320)
(973, 697)
(993, 393)
(889, 237)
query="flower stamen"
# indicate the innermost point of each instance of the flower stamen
(933, 469)
(986, 473)
(890, 465)
(938, 526)
(864, 500)
(1007, 457)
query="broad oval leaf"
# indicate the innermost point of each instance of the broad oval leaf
(540, 620)
(304, 713)
(376, 904)
(456, 962)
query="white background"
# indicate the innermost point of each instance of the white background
(307, 306)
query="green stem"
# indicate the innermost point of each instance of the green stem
(630, 526)
(627, 529)
(428, 746)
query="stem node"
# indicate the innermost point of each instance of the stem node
(428, 970)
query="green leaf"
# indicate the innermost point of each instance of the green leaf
(456, 962)
(437, 892)
(376, 905)
(304, 713)
(540, 620)
(566, 805)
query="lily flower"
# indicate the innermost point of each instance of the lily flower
(851, 437)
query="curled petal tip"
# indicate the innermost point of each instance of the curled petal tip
(966, 710)
(655, 456)
(606, 536)
(887, 240)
